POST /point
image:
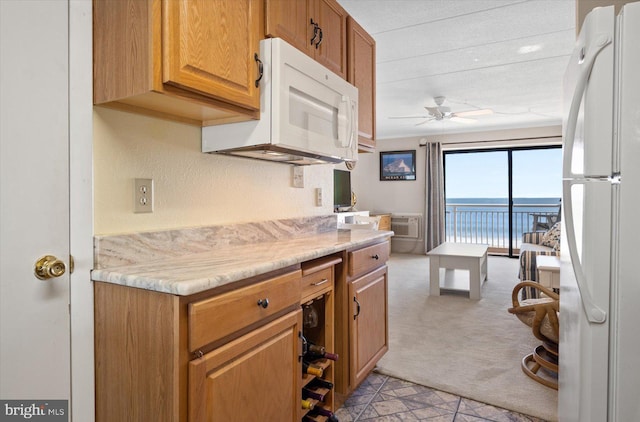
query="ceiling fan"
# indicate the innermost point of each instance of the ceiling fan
(440, 112)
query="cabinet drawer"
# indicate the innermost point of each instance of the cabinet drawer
(317, 283)
(368, 258)
(217, 317)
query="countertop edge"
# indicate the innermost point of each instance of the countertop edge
(170, 276)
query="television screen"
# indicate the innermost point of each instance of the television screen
(341, 188)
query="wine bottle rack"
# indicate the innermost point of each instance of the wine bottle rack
(318, 326)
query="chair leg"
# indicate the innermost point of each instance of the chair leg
(544, 357)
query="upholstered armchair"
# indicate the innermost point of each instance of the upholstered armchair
(534, 244)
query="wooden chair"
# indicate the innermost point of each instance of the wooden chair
(541, 315)
(544, 221)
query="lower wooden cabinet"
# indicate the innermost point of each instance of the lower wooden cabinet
(368, 328)
(255, 377)
(318, 328)
(167, 358)
(234, 354)
(361, 315)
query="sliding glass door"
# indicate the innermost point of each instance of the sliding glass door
(476, 197)
(537, 190)
(493, 196)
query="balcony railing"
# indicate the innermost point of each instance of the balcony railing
(489, 223)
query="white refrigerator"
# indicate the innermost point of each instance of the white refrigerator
(599, 351)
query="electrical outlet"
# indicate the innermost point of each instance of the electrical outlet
(143, 196)
(318, 197)
(298, 176)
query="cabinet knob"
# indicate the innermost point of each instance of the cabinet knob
(376, 257)
(264, 303)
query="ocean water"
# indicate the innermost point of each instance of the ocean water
(486, 220)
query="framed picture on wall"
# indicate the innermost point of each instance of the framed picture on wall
(398, 165)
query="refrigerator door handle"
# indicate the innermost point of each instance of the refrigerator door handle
(586, 62)
(593, 312)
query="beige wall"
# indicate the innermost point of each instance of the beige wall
(398, 197)
(409, 197)
(191, 188)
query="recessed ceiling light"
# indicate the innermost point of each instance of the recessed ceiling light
(526, 49)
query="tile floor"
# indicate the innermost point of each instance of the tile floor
(385, 399)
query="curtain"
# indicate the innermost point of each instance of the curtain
(434, 204)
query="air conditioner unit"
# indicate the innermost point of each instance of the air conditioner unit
(406, 225)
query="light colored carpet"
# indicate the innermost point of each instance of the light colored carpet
(469, 348)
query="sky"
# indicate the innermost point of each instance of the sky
(536, 174)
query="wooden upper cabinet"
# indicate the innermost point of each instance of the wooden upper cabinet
(292, 21)
(332, 50)
(362, 73)
(185, 60)
(211, 48)
(289, 20)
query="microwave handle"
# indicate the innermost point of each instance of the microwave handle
(350, 107)
(353, 130)
(345, 139)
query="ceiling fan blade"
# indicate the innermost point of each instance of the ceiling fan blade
(464, 120)
(480, 112)
(435, 112)
(425, 122)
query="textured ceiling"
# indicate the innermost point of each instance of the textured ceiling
(506, 55)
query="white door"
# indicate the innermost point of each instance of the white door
(34, 220)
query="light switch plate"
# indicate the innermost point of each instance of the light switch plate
(318, 197)
(143, 196)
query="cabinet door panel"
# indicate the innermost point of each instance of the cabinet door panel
(289, 20)
(332, 52)
(209, 47)
(369, 334)
(362, 74)
(256, 377)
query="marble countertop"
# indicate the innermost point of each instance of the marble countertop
(202, 271)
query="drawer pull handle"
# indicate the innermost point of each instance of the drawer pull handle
(260, 69)
(264, 303)
(324, 280)
(376, 257)
(315, 31)
(358, 310)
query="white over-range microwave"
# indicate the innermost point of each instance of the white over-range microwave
(308, 114)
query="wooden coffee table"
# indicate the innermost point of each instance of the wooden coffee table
(459, 256)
